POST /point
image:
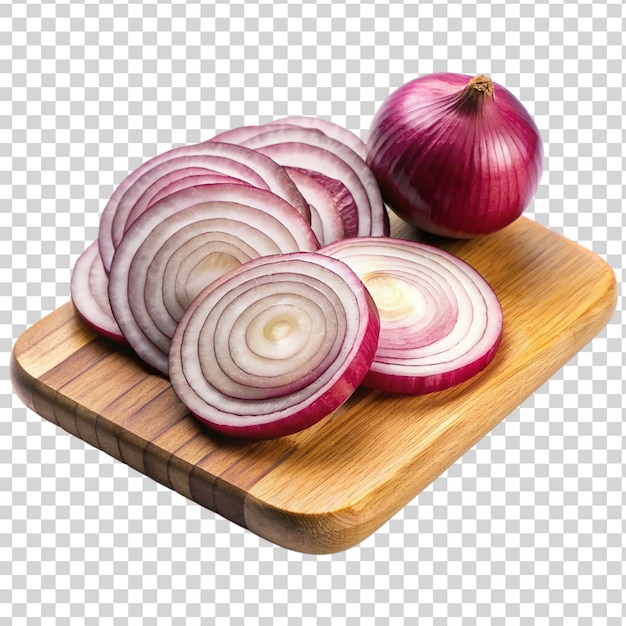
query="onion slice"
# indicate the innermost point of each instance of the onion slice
(441, 322)
(274, 346)
(89, 293)
(311, 149)
(230, 159)
(184, 242)
(333, 211)
(239, 134)
(318, 124)
(335, 131)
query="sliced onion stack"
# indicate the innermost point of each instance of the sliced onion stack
(441, 322)
(185, 241)
(89, 292)
(256, 272)
(274, 346)
(230, 159)
(310, 149)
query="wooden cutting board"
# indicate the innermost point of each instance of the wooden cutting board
(327, 488)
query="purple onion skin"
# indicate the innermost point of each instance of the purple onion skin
(455, 156)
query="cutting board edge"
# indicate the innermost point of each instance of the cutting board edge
(23, 383)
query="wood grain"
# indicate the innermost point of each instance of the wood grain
(327, 488)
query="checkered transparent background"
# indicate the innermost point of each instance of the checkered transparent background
(527, 528)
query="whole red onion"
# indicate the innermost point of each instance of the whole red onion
(454, 155)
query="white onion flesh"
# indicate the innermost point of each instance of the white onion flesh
(441, 322)
(185, 241)
(274, 346)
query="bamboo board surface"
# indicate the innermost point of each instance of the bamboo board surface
(325, 489)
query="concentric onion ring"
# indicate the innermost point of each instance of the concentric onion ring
(185, 241)
(183, 179)
(230, 159)
(441, 322)
(274, 346)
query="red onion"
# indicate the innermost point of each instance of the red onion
(454, 155)
(441, 322)
(274, 346)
